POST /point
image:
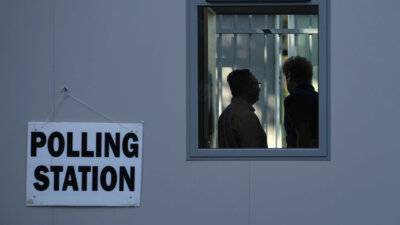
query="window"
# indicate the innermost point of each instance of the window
(226, 37)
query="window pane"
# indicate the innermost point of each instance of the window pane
(260, 42)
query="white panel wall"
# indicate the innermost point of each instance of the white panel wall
(127, 59)
(26, 92)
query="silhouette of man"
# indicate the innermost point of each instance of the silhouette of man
(238, 125)
(301, 106)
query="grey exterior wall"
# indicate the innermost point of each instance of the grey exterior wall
(127, 59)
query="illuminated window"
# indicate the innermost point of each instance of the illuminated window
(260, 38)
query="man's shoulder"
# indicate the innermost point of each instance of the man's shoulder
(237, 114)
(238, 110)
(300, 96)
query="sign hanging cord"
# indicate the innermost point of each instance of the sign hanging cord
(59, 100)
(64, 92)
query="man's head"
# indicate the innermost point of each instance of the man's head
(297, 70)
(244, 85)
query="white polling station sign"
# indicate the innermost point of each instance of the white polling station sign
(84, 164)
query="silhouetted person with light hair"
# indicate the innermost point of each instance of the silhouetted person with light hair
(238, 125)
(301, 106)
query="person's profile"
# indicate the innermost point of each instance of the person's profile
(301, 106)
(238, 125)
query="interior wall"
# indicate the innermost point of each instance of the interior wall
(127, 60)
